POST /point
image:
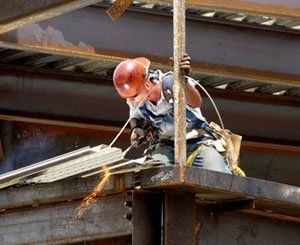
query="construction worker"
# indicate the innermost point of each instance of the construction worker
(149, 95)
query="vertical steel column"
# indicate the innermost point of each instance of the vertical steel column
(179, 86)
(179, 218)
(147, 217)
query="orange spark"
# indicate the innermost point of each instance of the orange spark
(91, 199)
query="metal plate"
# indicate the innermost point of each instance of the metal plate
(118, 8)
(74, 163)
(78, 166)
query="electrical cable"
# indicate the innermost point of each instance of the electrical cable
(213, 103)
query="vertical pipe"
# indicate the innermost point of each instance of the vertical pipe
(179, 86)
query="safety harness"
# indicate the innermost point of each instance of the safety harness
(225, 142)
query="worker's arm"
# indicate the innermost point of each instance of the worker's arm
(137, 131)
(137, 123)
(193, 97)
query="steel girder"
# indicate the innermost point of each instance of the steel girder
(277, 8)
(94, 100)
(18, 13)
(183, 204)
(277, 198)
(56, 223)
(225, 50)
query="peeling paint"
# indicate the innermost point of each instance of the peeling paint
(50, 37)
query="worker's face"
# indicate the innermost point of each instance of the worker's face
(142, 96)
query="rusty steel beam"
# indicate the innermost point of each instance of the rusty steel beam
(18, 13)
(147, 211)
(277, 198)
(275, 8)
(57, 223)
(62, 191)
(57, 98)
(179, 40)
(243, 228)
(179, 218)
(217, 49)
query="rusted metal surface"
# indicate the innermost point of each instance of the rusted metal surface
(118, 8)
(179, 218)
(56, 223)
(18, 13)
(62, 191)
(277, 8)
(179, 84)
(275, 197)
(219, 52)
(241, 228)
(147, 209)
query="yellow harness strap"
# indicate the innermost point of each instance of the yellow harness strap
(236, 170)
(192, 157)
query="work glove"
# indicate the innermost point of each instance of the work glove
(137, 136)
(185, 64)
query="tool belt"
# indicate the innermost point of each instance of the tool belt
(232, 145)
(227, 144)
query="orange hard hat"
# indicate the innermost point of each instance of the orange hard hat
(130, 76)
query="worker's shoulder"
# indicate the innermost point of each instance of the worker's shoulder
(168, 80)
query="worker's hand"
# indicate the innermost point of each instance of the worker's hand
(185, 64)
(137, 134)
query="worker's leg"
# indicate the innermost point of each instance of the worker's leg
(164, 153)
(209, 158)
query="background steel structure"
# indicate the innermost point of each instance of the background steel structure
(152, 215)
(262, 55)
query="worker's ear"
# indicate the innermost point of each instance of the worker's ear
(148, 85)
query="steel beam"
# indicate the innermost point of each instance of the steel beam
(147, 209)
(18, 13)
(279, 199)
(179, 218)
(36, 96)
(276, 8)
(243, 228)
(62, 191)
(27, 143)
(218, 49)
(56, 223)
(179, 40)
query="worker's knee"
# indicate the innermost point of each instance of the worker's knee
(209, 158)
